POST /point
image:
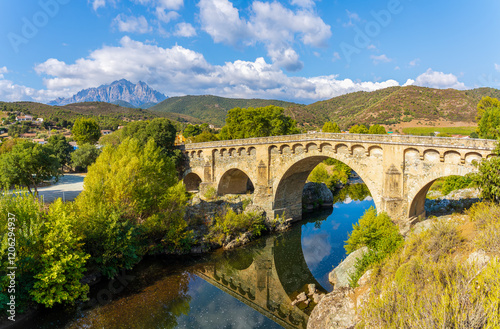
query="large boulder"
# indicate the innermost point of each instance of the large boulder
(335, 310)
(316, 195)
(339, 277)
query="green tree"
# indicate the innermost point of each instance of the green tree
(205, 136)
(377, 130)
(62, 262)
(484, 104)
(358, 129)
(191, 131)
(28, 164)
(330, 127)
(86, 131)
(84, 156)
(61, 148)
(257, 122)
(29, 227)
(131, 192)
(489, 124)
(488, 177)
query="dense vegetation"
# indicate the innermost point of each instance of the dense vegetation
(132, 205)
(257, 122)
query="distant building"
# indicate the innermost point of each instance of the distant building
(74, 144)
(106, 132)
(24, 118)
(40, 141)
(120, 127)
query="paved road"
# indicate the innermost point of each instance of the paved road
(68, 188)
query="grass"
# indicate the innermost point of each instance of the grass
(429, 284)
(426, 131)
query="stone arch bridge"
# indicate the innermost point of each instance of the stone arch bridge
(397, 169)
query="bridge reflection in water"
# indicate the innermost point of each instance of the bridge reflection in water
(267, 276)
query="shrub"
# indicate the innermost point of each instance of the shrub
(231, 224)
(379, 234)
(210, 193)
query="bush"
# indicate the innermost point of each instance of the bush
(231, 224)
(379, 234)
(487, 219)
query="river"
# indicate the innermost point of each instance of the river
(251, 287)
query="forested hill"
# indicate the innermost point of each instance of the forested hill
(385, 106)
(211, 109)
(72, 111)
(394, 105)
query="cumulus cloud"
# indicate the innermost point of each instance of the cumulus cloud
(440, 80)
(96, 4)
(414, 62)
(353, 17)
(303, 3)
(497, 67)
(380, 59)
(133, 24)
(269, 23)
(184, 30)
(181, 71)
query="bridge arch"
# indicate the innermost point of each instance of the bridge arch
(289, 186)
(192, 182)
(235, 181)
(417, 195)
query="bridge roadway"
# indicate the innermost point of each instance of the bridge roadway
(398, 169)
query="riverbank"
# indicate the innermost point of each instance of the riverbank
(447, 264)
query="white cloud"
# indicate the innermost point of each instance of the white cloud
(336, 56)
(269, 23)
(353, 17)
(371, 47)
(171, 4)
(397, 68)
(497, 67)
(440, 80)
(303, 3)
(3, 70)
(166, 16)
(409, 82)
(131, 24)
(414, 62)
(96, 4)
(380, 59)
(184, 30)
(180, 71)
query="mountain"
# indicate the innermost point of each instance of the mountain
(118, 91)
(210, 108)
(394, 105)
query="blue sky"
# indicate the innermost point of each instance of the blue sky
(296, 50)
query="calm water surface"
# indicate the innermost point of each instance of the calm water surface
(248, 288)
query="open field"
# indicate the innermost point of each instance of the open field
(447, 130)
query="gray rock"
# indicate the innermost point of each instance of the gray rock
(480, 258)
(239, 241)
(317, 297)
(316, 195)
(312, 289)
(365, 278)
(339, 277)
(335, 310)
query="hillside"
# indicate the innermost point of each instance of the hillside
(72, 111)
(394, 105)
(209, 108)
